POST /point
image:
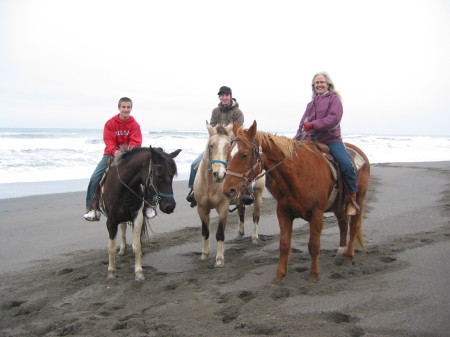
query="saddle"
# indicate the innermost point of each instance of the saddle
(355, 158)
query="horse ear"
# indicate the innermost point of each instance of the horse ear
(235, 128)
(229, 127)
(175, 153)
(210, 128)
(252, 131)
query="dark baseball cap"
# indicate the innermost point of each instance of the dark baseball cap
(224, 90)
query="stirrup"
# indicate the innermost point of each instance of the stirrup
(352, 208)
(92, 215)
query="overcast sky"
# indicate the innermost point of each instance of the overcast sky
(66, 63)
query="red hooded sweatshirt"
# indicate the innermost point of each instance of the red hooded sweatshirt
(118, 133)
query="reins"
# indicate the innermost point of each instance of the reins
(259, 162)
(247, 175)
(148, 182)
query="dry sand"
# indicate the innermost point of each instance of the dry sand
(53, 270)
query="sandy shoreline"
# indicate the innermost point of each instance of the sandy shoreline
(53, 270)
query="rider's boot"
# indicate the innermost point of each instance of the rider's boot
(190, 198)
(93, 214)
(352, 206)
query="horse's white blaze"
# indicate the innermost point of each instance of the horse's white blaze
(234, 150)
(220, 150)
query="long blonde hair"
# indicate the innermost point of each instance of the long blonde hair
(329, 82)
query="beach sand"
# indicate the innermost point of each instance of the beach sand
(53, 270)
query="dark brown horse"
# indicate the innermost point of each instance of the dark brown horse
(302, 183)
(131, 174)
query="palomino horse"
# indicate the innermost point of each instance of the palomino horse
(131, 173)
(208, 192)
(302, 184)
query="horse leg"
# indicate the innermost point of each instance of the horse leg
(112, 258)
(112, 230)
(137, 246)
(256, 214)
(204, 217)
(123, 242)
(220, 236)
(241, 229)
(315, 229)
(285, 223)
(342, 219)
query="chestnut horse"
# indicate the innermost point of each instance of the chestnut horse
(208, 192)
(302, 184)
(122, 200)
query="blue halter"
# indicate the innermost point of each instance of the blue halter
(225, 163)
(159, 194)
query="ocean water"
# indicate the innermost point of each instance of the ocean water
(41, 161)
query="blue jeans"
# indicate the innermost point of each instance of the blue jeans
(95, 179)
(193, 170)
(339, 154)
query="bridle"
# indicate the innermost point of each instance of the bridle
(257, 161)
(213, 161)
(149, 182)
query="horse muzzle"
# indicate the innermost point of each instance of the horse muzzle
(167, 205)
(231, 193)
(247, 200)
(218, 176)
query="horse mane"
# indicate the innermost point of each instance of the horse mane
(166, 162)
(159, 157)
(284, 144)
(126, 154)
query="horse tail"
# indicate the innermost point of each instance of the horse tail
(360, 240)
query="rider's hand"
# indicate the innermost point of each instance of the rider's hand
(308, 126)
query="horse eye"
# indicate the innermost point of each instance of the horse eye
(244, 155)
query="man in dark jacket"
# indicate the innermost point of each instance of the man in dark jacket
(226, 112)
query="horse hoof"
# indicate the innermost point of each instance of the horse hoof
(219, 264)
(348, 261)
(313, 278)
(277, 281)
(139, 276)
(122, 252)
(204, 257)
(255, 241)
(341, 251)
(111, 275)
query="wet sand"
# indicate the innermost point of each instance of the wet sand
(53, 270)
